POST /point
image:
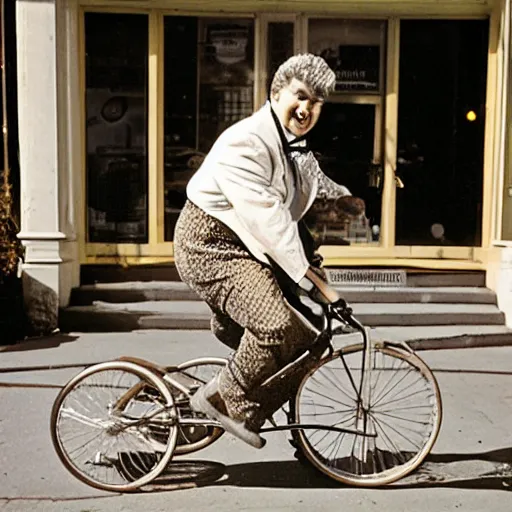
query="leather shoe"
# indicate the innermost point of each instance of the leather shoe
(207, 400)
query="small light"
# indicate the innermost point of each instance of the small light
(437, 230)
(471, 116)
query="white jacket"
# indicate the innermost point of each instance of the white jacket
(247, 182)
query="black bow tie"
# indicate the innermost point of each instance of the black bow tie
(303, 148)
(289, 146)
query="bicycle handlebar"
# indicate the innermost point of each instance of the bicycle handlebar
(340, 310)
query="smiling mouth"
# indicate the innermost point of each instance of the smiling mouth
(301, 118)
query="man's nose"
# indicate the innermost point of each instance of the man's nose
(305, 107)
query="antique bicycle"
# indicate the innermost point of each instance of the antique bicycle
(366, 414)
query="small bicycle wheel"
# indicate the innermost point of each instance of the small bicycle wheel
(100, 426)
(192, 438)
(404, 415)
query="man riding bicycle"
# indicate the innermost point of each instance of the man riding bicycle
(241, 226)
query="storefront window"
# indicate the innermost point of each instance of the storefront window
(280, 46)
(441, 126)
(226, 76)
(208, 86)
(352, 48)
(347, 138)
(116, 108)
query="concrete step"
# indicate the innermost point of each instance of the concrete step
(140, 291)
(108, 317)
(445, 278)
(92, 274)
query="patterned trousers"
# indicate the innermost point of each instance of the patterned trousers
(250, 313)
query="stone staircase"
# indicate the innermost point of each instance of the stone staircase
(439, 304)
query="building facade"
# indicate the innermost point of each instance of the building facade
(119, 100)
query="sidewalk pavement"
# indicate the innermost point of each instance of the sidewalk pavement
(469, 469)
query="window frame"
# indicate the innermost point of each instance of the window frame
(156, 250)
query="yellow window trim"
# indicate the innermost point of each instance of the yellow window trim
(387, 254)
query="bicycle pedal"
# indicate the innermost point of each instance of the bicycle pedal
(102, 460)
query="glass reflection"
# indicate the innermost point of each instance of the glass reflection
(208, 86)
(116, 108)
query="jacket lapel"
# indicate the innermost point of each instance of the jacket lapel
(301, 187)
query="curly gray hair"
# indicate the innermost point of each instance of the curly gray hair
(308, 68)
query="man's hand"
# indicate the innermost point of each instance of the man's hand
(350, 205)
(322, 290)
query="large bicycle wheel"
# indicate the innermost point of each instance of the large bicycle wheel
(99, 426)
(404, 415)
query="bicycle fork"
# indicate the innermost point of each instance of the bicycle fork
(363, 394)
(364, 399)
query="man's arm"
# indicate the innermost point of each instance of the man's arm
(327, 188)
(327, 291)
(343, 199)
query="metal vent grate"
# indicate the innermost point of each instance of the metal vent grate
(358, 277)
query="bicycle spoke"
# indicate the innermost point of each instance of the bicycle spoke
(80, 449)
(396, 453)
(401, 418)
(390, 371)
(339, 388)
(373, 372)
(92, 435)
(381, 421)
(311, 401)
(336, 411)
(403, 427)
(325, 432)
(414, 393)
(409, 386)
(334, 444)
(407, 408)
(328, 398)
(394, 375)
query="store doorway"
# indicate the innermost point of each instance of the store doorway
(347, 147)
(348, 137)
(441, 122)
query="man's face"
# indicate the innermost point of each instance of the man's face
(297, 107)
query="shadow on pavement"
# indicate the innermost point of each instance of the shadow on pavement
(501, 455)
(187, 474)
(488, 470)
(39, 343)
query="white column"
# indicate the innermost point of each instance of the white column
(43, 139)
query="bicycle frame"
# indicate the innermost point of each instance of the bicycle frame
(336, 311)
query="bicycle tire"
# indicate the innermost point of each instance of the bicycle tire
(129, 476)
(348, 470)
